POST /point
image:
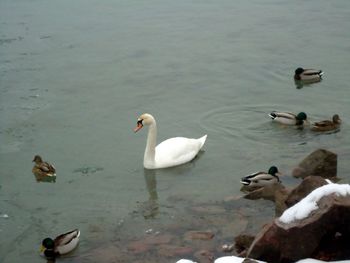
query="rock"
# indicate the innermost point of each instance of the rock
(202, 235)
(275, 192)
(309, 184)
(319, 163)
(280, 242)
(243, 242)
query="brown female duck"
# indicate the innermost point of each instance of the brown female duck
(327, 125)
(42, 168)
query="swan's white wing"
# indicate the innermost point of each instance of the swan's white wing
(176, 151)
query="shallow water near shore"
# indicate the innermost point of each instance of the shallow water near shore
(74, 77)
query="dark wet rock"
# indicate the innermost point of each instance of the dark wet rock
(280, 242)
(319, 163)
(204, 256)
(243, 242)
(309, 184)
(202, 235)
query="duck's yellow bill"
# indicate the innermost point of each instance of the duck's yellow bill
(42, 249)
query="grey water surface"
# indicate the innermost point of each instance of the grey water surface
(75, 75)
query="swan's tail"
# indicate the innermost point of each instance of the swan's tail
(202, 140)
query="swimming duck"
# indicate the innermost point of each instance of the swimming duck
(42, 168)
(171, 152)
(327, 125)
(308, 75)
(63, 244)
(260, 179)
(288, 118)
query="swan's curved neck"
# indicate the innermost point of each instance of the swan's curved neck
(150, 151)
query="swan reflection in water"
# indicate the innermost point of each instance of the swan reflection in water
(151, 207)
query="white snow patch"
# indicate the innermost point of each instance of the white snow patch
(303, 208)
(310, 260)
(233, 259)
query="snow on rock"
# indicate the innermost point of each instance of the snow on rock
(310, 260)
(233, 259)
(302, 209)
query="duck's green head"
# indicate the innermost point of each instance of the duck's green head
(48, 243)
(273, 170)
(298, 71)
(301, 116)
(47, 248)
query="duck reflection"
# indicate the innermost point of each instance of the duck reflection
(299, 84)
(44, 178)
(151, 207)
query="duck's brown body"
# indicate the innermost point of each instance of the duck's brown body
(42, 168)
(327, 125)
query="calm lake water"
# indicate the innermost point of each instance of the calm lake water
(75, 75)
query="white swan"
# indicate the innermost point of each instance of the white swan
(171, 152)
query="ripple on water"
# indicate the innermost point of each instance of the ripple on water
(251, 125)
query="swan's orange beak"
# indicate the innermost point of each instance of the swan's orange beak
(138, 127)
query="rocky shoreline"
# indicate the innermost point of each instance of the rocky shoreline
(245, 227)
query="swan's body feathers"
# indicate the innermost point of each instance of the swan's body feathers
(171, 152)
(177, 151)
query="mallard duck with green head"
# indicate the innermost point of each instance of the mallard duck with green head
(260, 179)
(62, 244)
(288, 118)
(42, 168)
(308, 75)
(327, 125)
